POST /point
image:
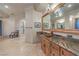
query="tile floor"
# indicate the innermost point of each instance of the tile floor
(16, 47)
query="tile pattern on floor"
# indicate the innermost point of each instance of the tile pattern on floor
(15, 47)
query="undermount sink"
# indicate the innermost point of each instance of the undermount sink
(63, 43)
(59, 40)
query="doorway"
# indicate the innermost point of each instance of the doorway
(77, 23)
(0, 28)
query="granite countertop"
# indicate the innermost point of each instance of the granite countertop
(67, 43)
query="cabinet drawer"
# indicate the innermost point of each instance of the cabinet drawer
(48, 44)
(54, 54)
(54, 50)
(55, 46)
(65, 52)
(45, 45)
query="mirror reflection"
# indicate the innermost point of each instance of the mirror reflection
(65, 17)
(46, 22)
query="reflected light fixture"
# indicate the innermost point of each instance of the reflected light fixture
(6, 6)
(61, 20)
(71, 18)
(69, 5)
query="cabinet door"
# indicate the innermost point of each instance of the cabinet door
(42, 42)
(48, 44)
(55, 50)
(65, 52)
(43, 45)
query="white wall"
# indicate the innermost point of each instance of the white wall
(8, 25)
(31, 16)
(29, 24)
(36, 18)
(22, 25)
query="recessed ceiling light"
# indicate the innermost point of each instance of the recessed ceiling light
(6, 6)
(69, 5)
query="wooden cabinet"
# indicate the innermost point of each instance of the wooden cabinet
(64, 52)
(55, 49)
(45, 45)
(48, 46)
(52, 49)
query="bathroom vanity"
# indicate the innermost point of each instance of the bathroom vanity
(57, 46)
(60, 32)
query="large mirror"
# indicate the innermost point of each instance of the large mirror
(57, 19)
(66, 17)
(60, 24)
(46, 22)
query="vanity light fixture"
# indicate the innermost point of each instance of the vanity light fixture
(6, 6)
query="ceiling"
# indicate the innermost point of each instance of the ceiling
(18, 9)
(73, 7)
(40, 7)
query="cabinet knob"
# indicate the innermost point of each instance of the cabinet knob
(53, 54)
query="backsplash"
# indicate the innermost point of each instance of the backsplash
(67, 35)
(62, 34)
